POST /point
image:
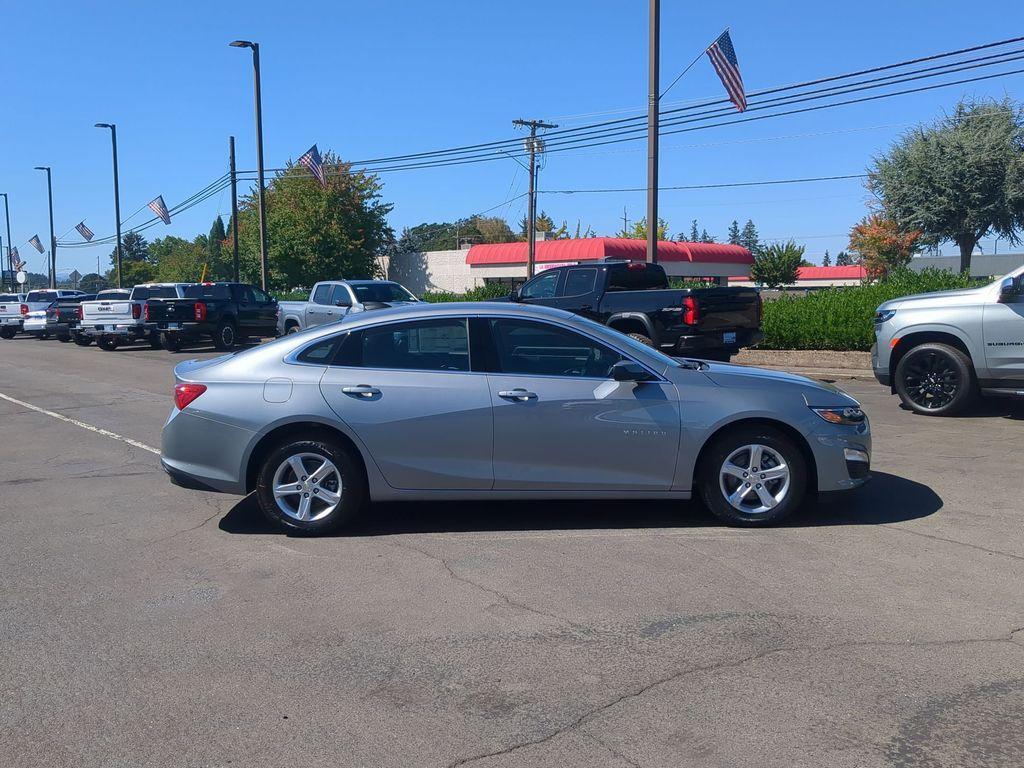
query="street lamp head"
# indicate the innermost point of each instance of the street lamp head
(241, 44)
(42, 167)
(104, 125)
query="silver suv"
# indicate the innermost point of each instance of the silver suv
(938, 351)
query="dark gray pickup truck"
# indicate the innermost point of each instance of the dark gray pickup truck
(634, 297)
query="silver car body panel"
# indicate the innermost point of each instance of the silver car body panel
(451, 434)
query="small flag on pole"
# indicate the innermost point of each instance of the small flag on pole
(36, 243)
(159, 207)
(311, 160)
(18, 263)
(84, 231)
(723, 59)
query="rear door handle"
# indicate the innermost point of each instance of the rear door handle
(362, 390)
(517, 394)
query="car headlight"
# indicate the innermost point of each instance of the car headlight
(847, 416)
(884, 314)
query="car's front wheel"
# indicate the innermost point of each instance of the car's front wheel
(82, 340)
(107, 343)
(752, 476)
(7, 333)
(170, 342)
(935, 380)
(312, 486)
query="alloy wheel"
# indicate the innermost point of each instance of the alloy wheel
(931, 380)
(754, 479)
(307, 487)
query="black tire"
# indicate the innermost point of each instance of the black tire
(45, 335)
(170, 342)
(154, 340)
(646, 340)
(225, 337)
(63, 338)
(83, 340)
(935, 380)
(353, 485)
(107, 343)
(8, 333)
(713, 486)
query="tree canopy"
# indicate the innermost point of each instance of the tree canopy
(776, 265)
(957, 180)
(639, 230)
(881, 246)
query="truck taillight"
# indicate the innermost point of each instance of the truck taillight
(56, 314)
(185, 393)
(145, 311)
(24, 309)
(200, 311)
(136, 311)
(80, 312)
(691, 311)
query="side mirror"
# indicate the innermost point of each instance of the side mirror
(627, 370)
(1009, 290)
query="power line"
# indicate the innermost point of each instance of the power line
(722, 185)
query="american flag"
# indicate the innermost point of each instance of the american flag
(159, 207)
(723, 59)
(311, 160)
(16, 259)
(83, 230)
(36, 243)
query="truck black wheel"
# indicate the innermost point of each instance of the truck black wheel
(752, 476)
(935, 380)
(63, 338)
(641, 338)
(8, 333)
(107, 343)
(311, 486)
(154, 340)
(170, 342)
(82, 340)
(224, 337)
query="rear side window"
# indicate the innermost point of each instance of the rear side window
(579, 282)
(322, 294)
(427, 345)
(216, 291)
(323, 352)
(636, 276)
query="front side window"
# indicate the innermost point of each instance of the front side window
(541, 349)
(542, 287)
(340, 297)
(262, 297)
(428, 345)
(580, 282)
(322, 294)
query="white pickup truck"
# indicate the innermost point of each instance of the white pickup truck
(122, 321)
(331, 300)
(10, 314)
(34, 302)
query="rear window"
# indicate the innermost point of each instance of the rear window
(113, 295)
(636, 276)
(41, 296)
(154, 292)
(8, 297)
(217, 291)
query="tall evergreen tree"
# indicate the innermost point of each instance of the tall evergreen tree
(705, 237)
(734, 233)
(694, 234)
(826, 260)
(843, 259)
(749, 238)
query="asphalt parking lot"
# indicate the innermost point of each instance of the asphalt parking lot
(147, 625)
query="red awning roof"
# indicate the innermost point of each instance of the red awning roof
(593, 248)
(831, 273)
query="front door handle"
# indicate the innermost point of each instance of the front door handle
(517, 394)
(362, 390)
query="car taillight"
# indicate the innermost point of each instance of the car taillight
(56, 314)
(691, 311)
(136, 311)
(185, 393)
(80, 312)
(145, 311)
(24, 309)
(200, 311)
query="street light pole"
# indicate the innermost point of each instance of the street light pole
(653, 97)
(255, 47)
(53, 240)
(10, 256)
(117, 197)
(234, 205)
(533, 143)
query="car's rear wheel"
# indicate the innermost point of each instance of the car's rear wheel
(225, 336)
(312, 486)
(291, 328)
(82, 340)
(646, 340)
(107, 343)
(170, 342)
(935, 379)
(752, 476)
(7, 333)
(154, 340)
(63, 338)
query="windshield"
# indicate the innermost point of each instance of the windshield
(155, 292)
(381, 292)
(41, 296)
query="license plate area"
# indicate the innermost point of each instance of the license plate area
(729, 337)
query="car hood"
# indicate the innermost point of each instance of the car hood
(814, 392)
(936, 297)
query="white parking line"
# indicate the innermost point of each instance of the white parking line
(82, 424)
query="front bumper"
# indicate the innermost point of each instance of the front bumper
(731, 341)
(843, 457)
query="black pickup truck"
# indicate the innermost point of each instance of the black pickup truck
(634, 297)
(224, 312)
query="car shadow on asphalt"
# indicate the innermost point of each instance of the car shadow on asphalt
(886, 499)
(1011, 408)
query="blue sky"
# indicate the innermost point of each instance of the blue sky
(367, 79)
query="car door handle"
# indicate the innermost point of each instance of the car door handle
(517, 394)
(363, 390)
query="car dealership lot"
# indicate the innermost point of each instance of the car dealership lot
(144, 624)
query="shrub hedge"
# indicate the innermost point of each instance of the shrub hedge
(841, 318)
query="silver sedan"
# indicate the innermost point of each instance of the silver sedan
(501, 401)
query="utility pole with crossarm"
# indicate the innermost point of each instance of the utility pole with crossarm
(533, 145)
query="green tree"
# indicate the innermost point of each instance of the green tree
(439, 236)
(544, 224)
(639, 230)
(826, 260)
(749, 238)
(694, 234)
(733, 237)
(958, 179)
(92, 282)
(317, 232)
(133, 248)
(843, 259)
(705, 237)
(776, 265)
(881, 246)
(582, 233)
(180, 260)
(218, 258)
(494, 229)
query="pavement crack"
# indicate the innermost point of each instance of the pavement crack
(956, 541)
(614, 752)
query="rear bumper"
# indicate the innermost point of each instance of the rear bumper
(11, 321)
(126, 330)
(716, 340)
(202, 454)
(186, 330)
